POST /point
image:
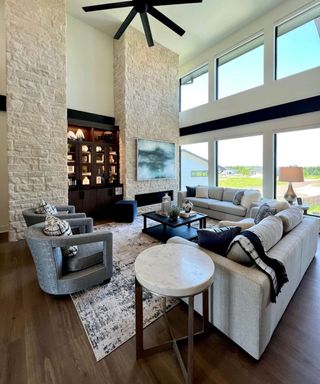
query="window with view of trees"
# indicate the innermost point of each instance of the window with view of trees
(301, 148)
(240, 69)
(240, 162)
(298, 43)
(194, 165)
(194, 89)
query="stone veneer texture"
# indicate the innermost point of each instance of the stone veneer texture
(146, 89)
(36, 106)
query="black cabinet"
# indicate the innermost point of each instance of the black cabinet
(96, 202)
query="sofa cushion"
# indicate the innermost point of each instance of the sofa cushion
(217, 239)
(237, 197)
(87, 256)
(228, 194)
(290, 218)
(191, 191)
(227, 207)
(269, 231)
(264, 211)
(202, 191)
(249, 196)
(200, 202)
(54, 226)
(215, 193)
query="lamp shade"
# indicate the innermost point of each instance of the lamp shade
(291, 174)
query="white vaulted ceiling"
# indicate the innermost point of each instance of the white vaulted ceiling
(205, 23)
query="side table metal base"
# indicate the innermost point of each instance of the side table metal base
(173, 343)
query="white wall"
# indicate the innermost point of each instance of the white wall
(89, 69)
(299, 86)
(302, 85)
(4, 217)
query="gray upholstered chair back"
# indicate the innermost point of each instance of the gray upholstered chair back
(48, 259)
(64, 212)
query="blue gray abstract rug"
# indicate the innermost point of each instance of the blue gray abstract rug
(107, 312)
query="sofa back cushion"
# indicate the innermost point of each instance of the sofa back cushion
(228, 194)
(249, 196)
(278, 205)
(215, 193)
(269, 231)
(290, 218)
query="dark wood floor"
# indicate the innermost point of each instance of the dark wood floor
(42, 340)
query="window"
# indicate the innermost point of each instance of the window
(240, 69)
(194, 165)
(194, 89)
(298, 43)
(301, 148)
(240, 162)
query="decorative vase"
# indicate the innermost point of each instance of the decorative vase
(79, 134)
(174, 213)
(187, 206)
(166, 204)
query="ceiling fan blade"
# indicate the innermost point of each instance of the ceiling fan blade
(146, 27)
(100, 7)
(164, 19)
(172, 2)
(125, 24)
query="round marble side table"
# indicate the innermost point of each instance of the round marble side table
(173, 270)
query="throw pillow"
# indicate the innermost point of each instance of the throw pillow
(249, 196)
(44, 207)
(191, 191)
(290, 217)
(264, 211)
(53, 226)
(237, 197)
(278, 205)
(202, 192)
(217, 239)
(243, 224)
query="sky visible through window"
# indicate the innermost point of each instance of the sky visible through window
(297, 50)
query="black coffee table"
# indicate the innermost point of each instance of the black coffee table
(167, 228)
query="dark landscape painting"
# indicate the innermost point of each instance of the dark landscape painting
(155, 160)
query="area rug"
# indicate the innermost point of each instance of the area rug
(107, 312)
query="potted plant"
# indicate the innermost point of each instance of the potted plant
(174, 213)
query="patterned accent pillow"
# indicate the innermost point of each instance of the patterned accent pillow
(237, 197)
(217, 239)
(290, 217)
(264, 211)
(44, 207)
(191, 191)
(53, 226)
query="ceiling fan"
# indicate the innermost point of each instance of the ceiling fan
(143, 7)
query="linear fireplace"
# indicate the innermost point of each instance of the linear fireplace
(144, 199)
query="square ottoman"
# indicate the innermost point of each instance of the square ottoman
(125, 211)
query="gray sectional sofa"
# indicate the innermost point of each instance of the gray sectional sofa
(219, 204)
(240, 305)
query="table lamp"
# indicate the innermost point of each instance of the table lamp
(291, 174)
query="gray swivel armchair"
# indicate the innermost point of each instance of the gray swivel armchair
(60, 275)
(64, 212)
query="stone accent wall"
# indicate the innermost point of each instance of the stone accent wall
(36, 106)
(146, 89)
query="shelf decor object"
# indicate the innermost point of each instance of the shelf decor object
(292, 175)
